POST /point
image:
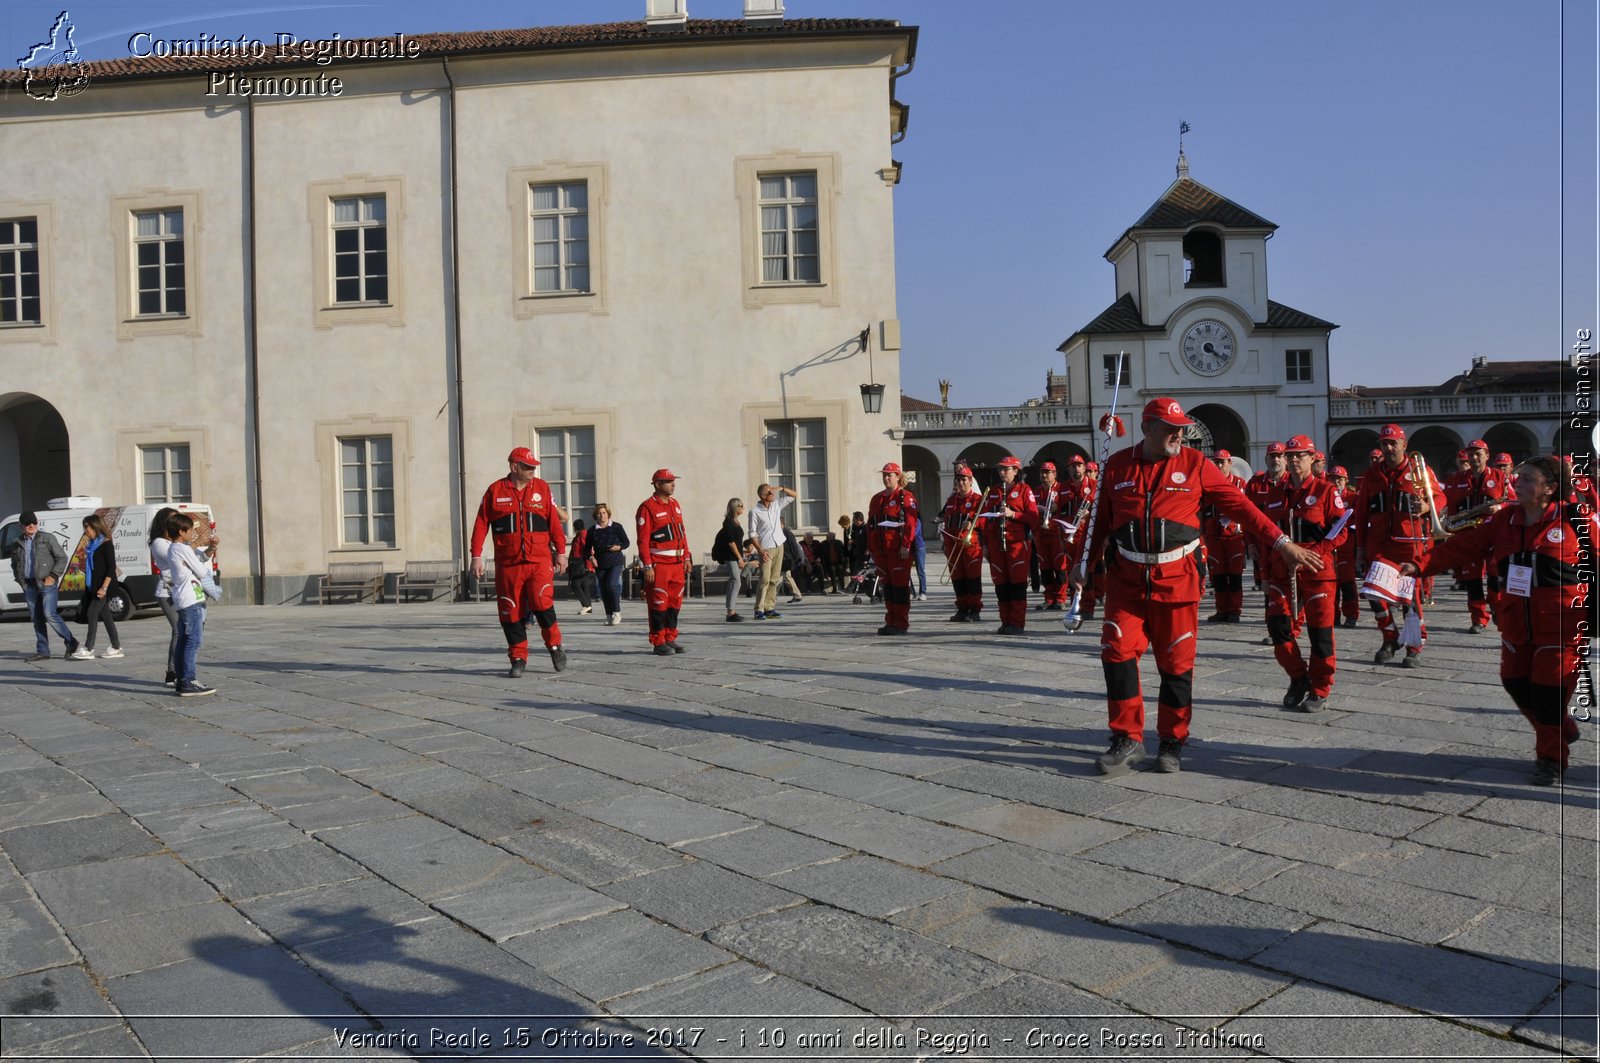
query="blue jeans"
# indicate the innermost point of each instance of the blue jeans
(922, 563)
(191, 623)
(611, 588)
(42, 610)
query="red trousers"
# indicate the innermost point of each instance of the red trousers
(1009, 573)
(1052, 566)
(966, 578)
(894, 575)
(1541, 680)
(663, 600)
(1168, 628)
(525, 590)
(1225, 559)
(1317, 608)
(1349, 585)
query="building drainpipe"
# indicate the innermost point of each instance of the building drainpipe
(462, 531)
(252, 360)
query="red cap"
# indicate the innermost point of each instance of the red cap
(662, 474)
(1375, 455)
(1076, 459)
(962, 470)
(891, 467)
(1477, 444)
(523, 456)
(1319, 456)
(1461, 454)
(1048, 465)
(1222, 455)
(1010, 462)
(1299, 445)
(1392, 431)
(1094, 466)
(1274, 448)
(1338, 470)
(1167, 411)
(1503, 459)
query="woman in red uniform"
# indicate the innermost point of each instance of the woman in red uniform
(1537, 547)
(1010, 516)
(963, 550)
(891, 532)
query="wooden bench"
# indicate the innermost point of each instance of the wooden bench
(358, 578)
(427, 578)
(484, 592)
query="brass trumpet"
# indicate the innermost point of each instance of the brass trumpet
(1471, 518)
(1422, 488)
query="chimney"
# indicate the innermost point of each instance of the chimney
(666, 14)
(763, 10)
(1480, 361)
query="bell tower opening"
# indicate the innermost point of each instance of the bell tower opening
(1202, 259)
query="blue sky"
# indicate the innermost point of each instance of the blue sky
(1432, 176)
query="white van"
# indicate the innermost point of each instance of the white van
(129, 527)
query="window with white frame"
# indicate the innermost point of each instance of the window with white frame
(360, 249)
(164, 473)
(567, 464)
(1297, 366)
(19, 272)
(366, 490)
(1110, 363)
(789, 248)
(558, 237)
(158, 264)
(797, 458)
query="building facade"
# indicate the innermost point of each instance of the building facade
(331, 315)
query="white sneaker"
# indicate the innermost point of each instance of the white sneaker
(614, 619)
(587, 609)
(112, 652)
(80, 654)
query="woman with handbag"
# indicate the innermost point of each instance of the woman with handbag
(99, 573)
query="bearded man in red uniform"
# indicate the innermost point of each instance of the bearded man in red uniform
(1009, 517)
(664, 554)
(1477, 485)
(1256, 490)
(1147, 526)
(1050, 541)
(1312, 513)
(1392, 523)
(891, 537)
(1345, 555)
(1080, 487)
(1225, 550)
(963, 549)
(530, 545)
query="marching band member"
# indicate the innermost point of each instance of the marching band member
(892, 532)
(1147, 527)
(963, 548)
(1345, 556)
(1392, 523)
(1308, 510)
(1536, 546)
(1055, 504)
(666, 560)
(1225, 550)
(1476, 485)
(1256, 489)
(1009, 515)
(1080, 487)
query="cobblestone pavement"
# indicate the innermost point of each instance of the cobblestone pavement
(795, 840)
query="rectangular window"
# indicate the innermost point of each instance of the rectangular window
(360, 250)
(1110, 363)
(1296, 366)
(567, 464)
(19, 272)
(789, 249)
(559, 236)
(158, 277)
(797, 457)
(164, 471)
(366, 490)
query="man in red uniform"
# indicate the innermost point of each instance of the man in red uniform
(1225, 549)
(963, 549)
(530, 545)
(1256, 490)
(1312, 513)
(1392, 523)
(665, 557)
(1477, 485)
(1147, 526)
(1345, 556)
(891, 537)
(1079, 487)
(1008, 519)
(1050, 542)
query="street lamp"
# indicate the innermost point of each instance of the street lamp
(871, 394)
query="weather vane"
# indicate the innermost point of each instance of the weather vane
(1183, 127)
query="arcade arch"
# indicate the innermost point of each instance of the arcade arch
(35, 453)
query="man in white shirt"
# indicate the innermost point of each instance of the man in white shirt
(766, 532)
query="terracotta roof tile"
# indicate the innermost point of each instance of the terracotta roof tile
(1280, 316)
(909, 403)
(1188, 202)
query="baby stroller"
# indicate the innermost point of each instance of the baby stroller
(864, 582)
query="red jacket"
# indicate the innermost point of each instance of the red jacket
(960, 511)
(891, 523)
(1313, 516)
(1467, 489)
(1556, 610)
(662, 540)
(1385, 521)
(1153, 507)
(1057, 504)
(1018, 498)
(1215, 525)
(1076, 513)
(526, 522)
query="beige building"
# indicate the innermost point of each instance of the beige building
(329, 299)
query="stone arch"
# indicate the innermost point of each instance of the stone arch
(1569, 440)
(35, 453)
(1353, 450)
(1511, 438)
(928, 478)
(983, 457)
(1438, 444)
(1059, 451)
(1226, 428)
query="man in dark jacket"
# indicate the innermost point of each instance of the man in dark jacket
(38, 562)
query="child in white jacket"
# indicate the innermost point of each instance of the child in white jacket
(190, 582)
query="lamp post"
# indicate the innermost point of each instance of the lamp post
(871, 394)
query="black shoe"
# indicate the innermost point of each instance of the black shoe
(171, 680)
(1170, 757)
(663, 650)
(1386, 653)
(1217, 618)
(1475, 628)
(194, 690)
(675, 647)
(735, 618)
(46, 657)
(1413, 659)
(773, 614)
(1267, 641)
(1053, 607)
(1233, 618)
(890, 629)
(1313, 704)
(1009, 629)
(1041, 607)
(1350, 621)
(1122, 754)
(959, 618)
(1298, 688)
(558, 657)
(796, 601)
(517, 667)
(1546, 772)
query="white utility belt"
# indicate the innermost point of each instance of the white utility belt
(1162, 558)
(666, 553)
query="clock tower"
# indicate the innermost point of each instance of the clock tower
(1193, 315)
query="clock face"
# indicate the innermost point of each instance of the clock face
(1208, 347)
